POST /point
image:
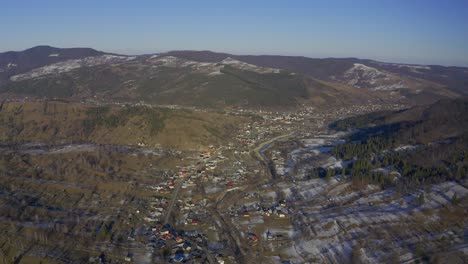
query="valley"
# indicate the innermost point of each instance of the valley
(233, 194)
(202, 157)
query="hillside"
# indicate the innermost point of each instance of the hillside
(442, 120)
(422, 144)
(17, 62)
(217, 80)
(357, 73)
(62, 123)
(172, 80)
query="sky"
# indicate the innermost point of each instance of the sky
(407, 31)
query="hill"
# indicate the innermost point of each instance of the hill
(358, 73)
(422, 144)
(55, 122)
(209, 79)
(173, 80)
(442, 120)
(17, 62)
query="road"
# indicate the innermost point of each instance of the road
(178, 185)
(263, 146)
(232, 235)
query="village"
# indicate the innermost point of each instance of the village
(254, 197)
(228, 188)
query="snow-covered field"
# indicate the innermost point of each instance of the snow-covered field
(344, 218)
(330, 219)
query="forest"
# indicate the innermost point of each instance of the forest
(424, 146)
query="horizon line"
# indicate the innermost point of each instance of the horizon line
(117, 52)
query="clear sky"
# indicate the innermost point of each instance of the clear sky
(412, 31)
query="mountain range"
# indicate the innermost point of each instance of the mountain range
(210, 79)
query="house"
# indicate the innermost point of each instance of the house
(254, 238)
(179, 256)
(229, 184)
(280, 214)
(178, 246)
(171, 185)
(282, 203)
(187, 246)
(149, 219)
(192, 233)
(220, 259)
(129, 257)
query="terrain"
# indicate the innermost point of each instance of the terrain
(207, 79)
(204, 157)
(58, 122)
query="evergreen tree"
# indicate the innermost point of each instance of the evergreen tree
(421, 199)
(454, 199)
(330, 173)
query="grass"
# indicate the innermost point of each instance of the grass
(72, 122)
(328, 225)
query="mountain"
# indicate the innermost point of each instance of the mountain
(17, 62)
(209, 79)
(373, 75)
(165, 79)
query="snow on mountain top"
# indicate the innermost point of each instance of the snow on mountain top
(54, 55)
(360, 72)
(210, 68)
(230, 60)
(419, 67)
(110, 57)
(363, 76)
(69, 65)
(246, 66)
(218, 72)
(411, 66)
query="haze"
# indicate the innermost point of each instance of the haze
(423, 32)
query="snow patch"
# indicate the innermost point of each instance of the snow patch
(69, 65)
(363, 76)
(402, 148)
(218, 72)
(246, 66)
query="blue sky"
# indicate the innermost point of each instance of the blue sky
(412, 31)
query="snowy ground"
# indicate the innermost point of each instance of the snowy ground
(329, 219)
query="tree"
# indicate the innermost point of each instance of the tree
(454, 199)
(421, 199)
(394, 258)
(330, 173)
(356, 254)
